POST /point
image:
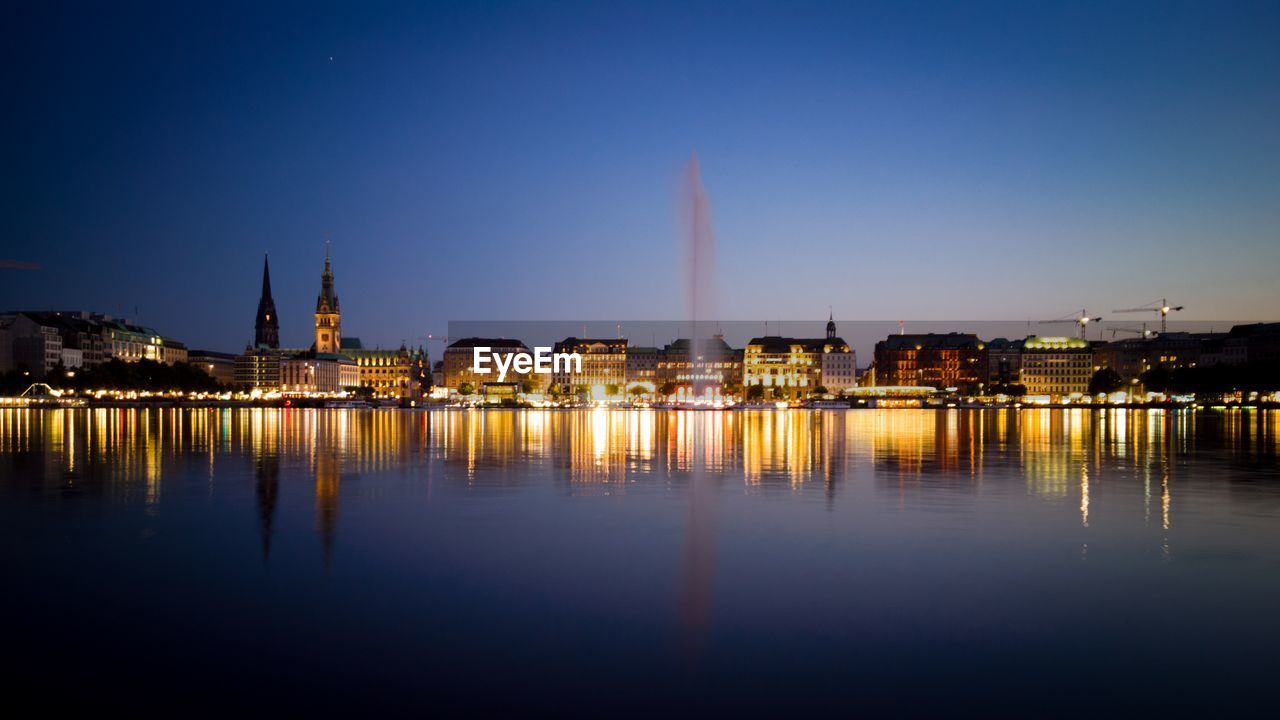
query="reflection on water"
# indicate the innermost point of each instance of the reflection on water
(738, 534)
(126, 455)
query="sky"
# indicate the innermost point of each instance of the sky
(513, 161)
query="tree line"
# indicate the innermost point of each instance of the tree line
(116, 374)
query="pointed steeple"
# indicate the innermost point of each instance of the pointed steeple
(267, 326)
(328, 312)
(831, 324)
(328, 300)
(266, 277)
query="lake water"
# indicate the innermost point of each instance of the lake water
(1033, 562)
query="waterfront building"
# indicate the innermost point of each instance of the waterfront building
(311, 373)
(218, 365)
(1056, 366)
(930, 359)
(1261, 343)
(699, 369)
(258, 369)
(387, 373)
(29, 345)
(437, 375)
(1128, 357)
(81, 333)
(1002, 361)
(603, 368)
(1131, 357)
(458, 359)
(36, 340)
(839, 369)
(839, 372)
(172, 351)
(790, 368)
(1223, 349)
(130, 343)
(266, 328)
(72, 358)
(328, 314)
(642, 368)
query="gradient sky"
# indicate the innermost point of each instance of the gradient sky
(522, 161)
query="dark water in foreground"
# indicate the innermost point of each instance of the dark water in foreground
(1036, 562)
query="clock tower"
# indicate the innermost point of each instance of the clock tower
(328, 313)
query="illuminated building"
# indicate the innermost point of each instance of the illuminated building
(388, 373)
(790, 367)
(36, 340)
(317, 373)
(714, 368)
(642, 367)
(322, 369)
(1131, 357)
(258, 369)
(266, 329)
(930, 359)
(839, 369)
(328, 314)
(172, 351)
(458, 358)
(218, 365)
(1056, 366)
(604, 364)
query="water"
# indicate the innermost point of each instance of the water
(1037, 562)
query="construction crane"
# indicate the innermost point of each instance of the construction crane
(1144, 332)
(1081, 321)
(1161, 306)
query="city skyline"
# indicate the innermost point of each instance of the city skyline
(1054, 158)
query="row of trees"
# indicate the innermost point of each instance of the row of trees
(117, 375)
(1203, 381)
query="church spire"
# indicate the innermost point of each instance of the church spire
(267, 326)
(831, 324)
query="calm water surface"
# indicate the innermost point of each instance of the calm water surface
(1035, 562)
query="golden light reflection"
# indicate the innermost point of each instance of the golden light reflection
(1082, 460)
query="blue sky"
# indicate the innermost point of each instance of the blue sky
(522, 160)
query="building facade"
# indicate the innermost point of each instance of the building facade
(642, 368)
(218, 365)
(1056, 366)
(389, 373)
(258, 369)
(603, 367)
(931, 359)
(1002, 360)
(791, 368)
(703, 368)
(318, 374)
(459, 355)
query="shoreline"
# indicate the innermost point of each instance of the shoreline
(251, 405)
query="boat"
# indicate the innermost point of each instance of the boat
(346, 404)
